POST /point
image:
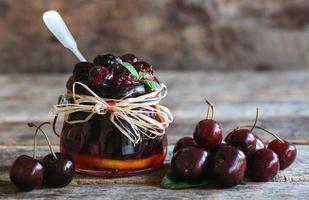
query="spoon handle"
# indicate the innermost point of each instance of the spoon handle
(56, 25)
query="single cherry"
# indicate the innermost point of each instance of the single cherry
(183, 143)
(190, 164)
(81, 72)
(59, 170)
(208, 133)
(142, 66)
(263, 165)
(83, 67)
(286, 151)
(125, 79)
(116, 69)
(129, 57)
(245, 139)
(229, 165)
(99, 76)
(27, 173)
(106, 60)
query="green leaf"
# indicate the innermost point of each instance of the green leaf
(131, 69)
(141, 75)
(151, 84)
(168, 182)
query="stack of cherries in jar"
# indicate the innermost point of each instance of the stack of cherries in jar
(54, 170)
(112, 71)
(242, 154)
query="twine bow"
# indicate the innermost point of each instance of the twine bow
(133, 117)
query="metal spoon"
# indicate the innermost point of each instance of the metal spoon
(56, 25)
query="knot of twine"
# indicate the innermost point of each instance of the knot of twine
(133, 117)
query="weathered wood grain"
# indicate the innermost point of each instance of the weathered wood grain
(298, 172)
(292, 129)
(254, 191)
(235, 94)
(283, 98)
(295, 178)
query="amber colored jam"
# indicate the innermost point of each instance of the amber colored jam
(98, 148)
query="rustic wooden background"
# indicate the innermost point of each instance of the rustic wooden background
(171, 34)
(281, 96)
(238, 54)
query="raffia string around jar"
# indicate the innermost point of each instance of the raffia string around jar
(135, 112)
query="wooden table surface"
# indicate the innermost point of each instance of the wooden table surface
(282, 96)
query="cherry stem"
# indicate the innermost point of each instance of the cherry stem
(256, 119)
(54, 126)
(267, 131)
(207, 115)
(212, 108)
(35, 140)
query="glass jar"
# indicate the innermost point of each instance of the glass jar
(98, 148)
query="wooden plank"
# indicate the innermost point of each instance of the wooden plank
(235, 94)
(292, 182)
(298, 172)
(293, 129)
(281, 96)
(252, 191)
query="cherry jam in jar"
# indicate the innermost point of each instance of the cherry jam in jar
(98, 148)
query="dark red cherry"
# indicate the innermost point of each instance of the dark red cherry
(58, 172)
(285, 151)
(208, 134)
(259, 143)
(81, 72)
(183, 143)
(142, 66)
(129, 57)
(245, 140)
(229, 166)
(190, 164)
(99, 75)
(116, 69)
(103, 60)
(263, 165)
(124, 79)
(106, 60)
(27, 173)
(82, 67)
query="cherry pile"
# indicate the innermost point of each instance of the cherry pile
(205, 156)
(55, 169)
(109, 70)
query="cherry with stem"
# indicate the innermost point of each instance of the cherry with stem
(286, 151)
(245, 139)
(267, 131)
(208, 133)
(28, 173)
(59, 169)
